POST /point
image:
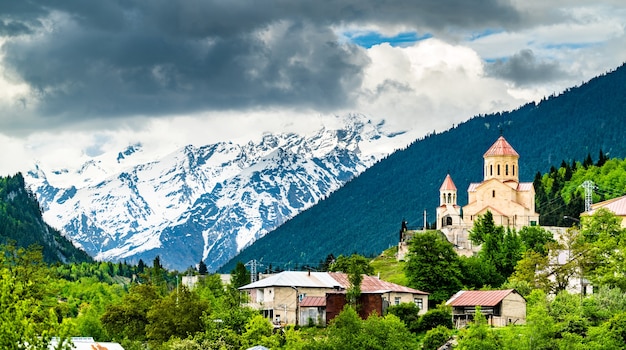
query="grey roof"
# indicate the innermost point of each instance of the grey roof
(296, 279)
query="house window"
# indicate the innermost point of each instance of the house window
(260, 296)
(301, 296)
(419, 302)
(397, 300)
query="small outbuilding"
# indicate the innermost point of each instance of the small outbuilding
(500, 307)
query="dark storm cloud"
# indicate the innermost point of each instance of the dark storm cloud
(523, 68)
(119, 58)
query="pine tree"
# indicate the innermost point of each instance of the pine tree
(202, 269)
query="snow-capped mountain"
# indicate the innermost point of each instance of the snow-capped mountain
(204, 202)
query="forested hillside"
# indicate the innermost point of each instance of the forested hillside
(21, 223)
(365, 215)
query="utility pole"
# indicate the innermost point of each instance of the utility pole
(588, 186)
(252, 264)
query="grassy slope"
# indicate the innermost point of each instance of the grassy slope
(389, 268)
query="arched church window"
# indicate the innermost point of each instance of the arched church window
(448, 220)
(498, 169)
(449, 198)
(493, 193)
(513, 169)
(491, 170)
(506, 170)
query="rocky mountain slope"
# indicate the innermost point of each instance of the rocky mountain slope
(205, 202)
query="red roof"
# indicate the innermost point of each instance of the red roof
(313, 302)
(500, 148)
(373, 284)
(479, 297)
(448, 184)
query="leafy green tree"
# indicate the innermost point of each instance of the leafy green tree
(534, 270)
(352, 263)
(355, 266)
(535, 238)
(345, 330)
(177, 315)
(128, 318)
(433, 266)
(348, 331)
(439, 316)
(259, 332)
(27, 319)
(387, 333)
(436, 337)
(407, 312)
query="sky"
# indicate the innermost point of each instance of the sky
(82, 78)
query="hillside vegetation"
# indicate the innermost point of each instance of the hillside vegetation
(365, 215)
(21, 223)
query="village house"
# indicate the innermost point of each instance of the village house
(500, 307)
(304, 297)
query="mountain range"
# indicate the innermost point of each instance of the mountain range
(365, 215)
(207, 202)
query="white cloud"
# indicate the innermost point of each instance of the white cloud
(430, 86)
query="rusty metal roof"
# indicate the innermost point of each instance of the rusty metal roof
(500, 148)
(479, 297)
(372, 284)
(448, 184)
(313, 302)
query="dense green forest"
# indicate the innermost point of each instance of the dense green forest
(559, 192)
(21, 222)
(365, 215)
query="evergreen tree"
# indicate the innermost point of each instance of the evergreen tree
(588, 161)
(240, 276)
(202, 268)
(602, 158)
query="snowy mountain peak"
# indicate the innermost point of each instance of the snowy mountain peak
(204, 202)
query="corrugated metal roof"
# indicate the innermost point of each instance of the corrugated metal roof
(616, 205)
(448, 184)
(479, 297)
(330, 280)
(525, 186)
(472, 187)
(295, 279)
(313, 302)
(500, 148)
(371, 284)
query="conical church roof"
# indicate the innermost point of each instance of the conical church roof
(500, 148)
(448, 184)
